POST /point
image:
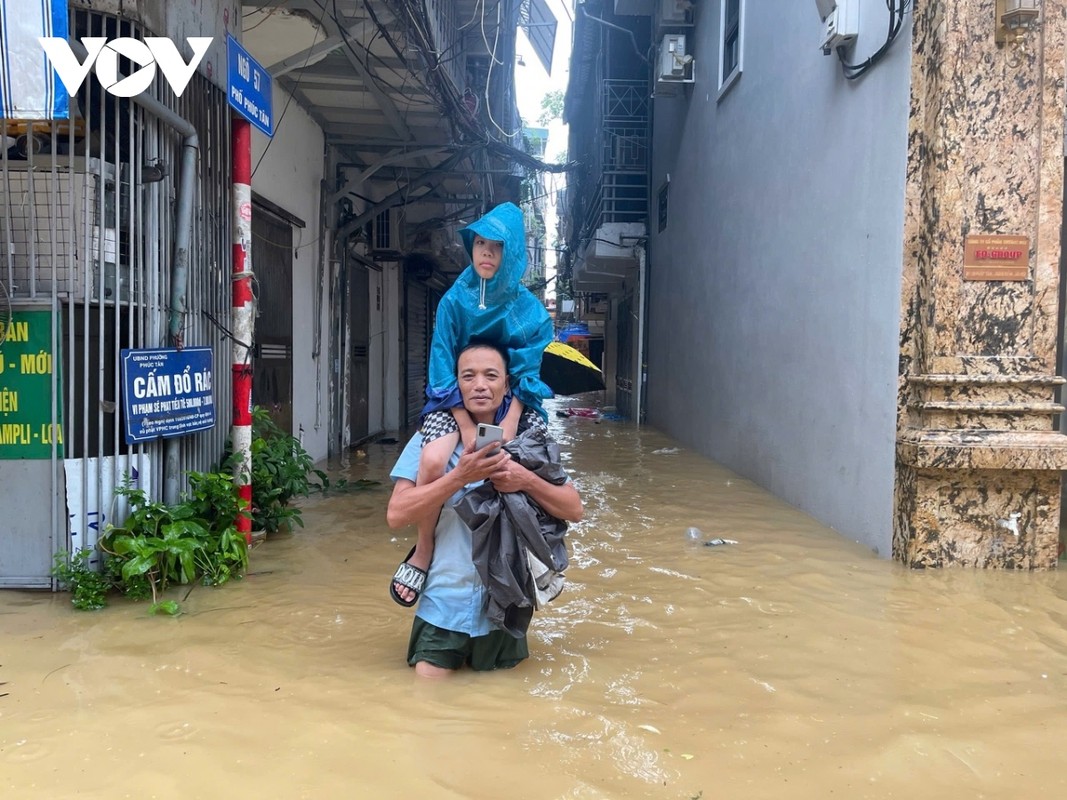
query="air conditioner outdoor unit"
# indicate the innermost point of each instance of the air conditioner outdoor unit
(675, 13)
(60, 237)
(675, 65)
(840, 19)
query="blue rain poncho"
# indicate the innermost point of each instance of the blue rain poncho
(500, 310)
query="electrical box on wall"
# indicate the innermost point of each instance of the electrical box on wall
(675, 65)
(841, 23)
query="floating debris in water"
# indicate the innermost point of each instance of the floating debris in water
(666, 451)
(717, 542)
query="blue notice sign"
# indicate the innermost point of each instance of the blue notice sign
(248, 87)
(167, 392)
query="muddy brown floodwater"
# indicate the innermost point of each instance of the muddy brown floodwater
(794, 664)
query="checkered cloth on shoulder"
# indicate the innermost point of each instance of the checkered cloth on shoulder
(437, 424)
(532, 420)
(441, 423)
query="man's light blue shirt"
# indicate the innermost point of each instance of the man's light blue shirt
(453, 597)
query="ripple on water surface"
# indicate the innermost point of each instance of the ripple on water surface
(792, 664)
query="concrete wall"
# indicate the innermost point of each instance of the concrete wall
(780, 267)
(290, 175)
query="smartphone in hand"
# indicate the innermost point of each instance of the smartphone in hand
(488, 434)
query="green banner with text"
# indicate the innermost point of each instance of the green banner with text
(26, 365)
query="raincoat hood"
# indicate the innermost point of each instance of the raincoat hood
(503, 224)
(499, 310)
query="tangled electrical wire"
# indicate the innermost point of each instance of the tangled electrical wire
(897, 10)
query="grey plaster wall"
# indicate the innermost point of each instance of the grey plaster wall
(780, 267)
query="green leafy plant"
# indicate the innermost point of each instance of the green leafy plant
(88, 588)
(281, 470)
(160, 545)
(551, 107)
(135, 587)
(214, 499)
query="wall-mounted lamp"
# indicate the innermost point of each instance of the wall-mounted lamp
(1014, 18)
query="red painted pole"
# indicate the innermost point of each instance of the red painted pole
(242, 317)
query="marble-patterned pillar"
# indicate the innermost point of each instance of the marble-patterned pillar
(978, 459)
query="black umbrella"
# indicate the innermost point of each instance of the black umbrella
(567, 371)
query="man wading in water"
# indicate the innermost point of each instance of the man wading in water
(453, 623)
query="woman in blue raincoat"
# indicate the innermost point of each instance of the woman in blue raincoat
(487, 302)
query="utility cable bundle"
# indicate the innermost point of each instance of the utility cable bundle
(897, 9)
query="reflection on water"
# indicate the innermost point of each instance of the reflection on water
(791, 665)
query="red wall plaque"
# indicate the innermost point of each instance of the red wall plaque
(992, 257)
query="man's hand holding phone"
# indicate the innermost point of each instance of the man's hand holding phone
(487, 456)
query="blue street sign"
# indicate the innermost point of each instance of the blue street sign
(167, 392)
(248, 87)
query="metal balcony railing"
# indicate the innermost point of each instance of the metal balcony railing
(624, 102)
(618, 180)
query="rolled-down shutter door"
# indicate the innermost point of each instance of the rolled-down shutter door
(417, 334)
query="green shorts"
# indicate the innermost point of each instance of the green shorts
(450, 650)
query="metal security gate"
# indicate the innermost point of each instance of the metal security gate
(87, 215)
(417, 347)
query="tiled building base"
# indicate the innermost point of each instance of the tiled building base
(978, 518)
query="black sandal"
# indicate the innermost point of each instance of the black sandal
(410, 577)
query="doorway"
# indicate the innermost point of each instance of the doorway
(272, 262)
(418, 327)
(359, 331)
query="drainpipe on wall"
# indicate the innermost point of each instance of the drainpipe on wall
(639, 251)
(242, 318)
(646, 245)
(324, 262)
(179, 271)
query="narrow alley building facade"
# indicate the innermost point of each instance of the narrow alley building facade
(853, 288)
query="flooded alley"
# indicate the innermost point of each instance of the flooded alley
(794, 664)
